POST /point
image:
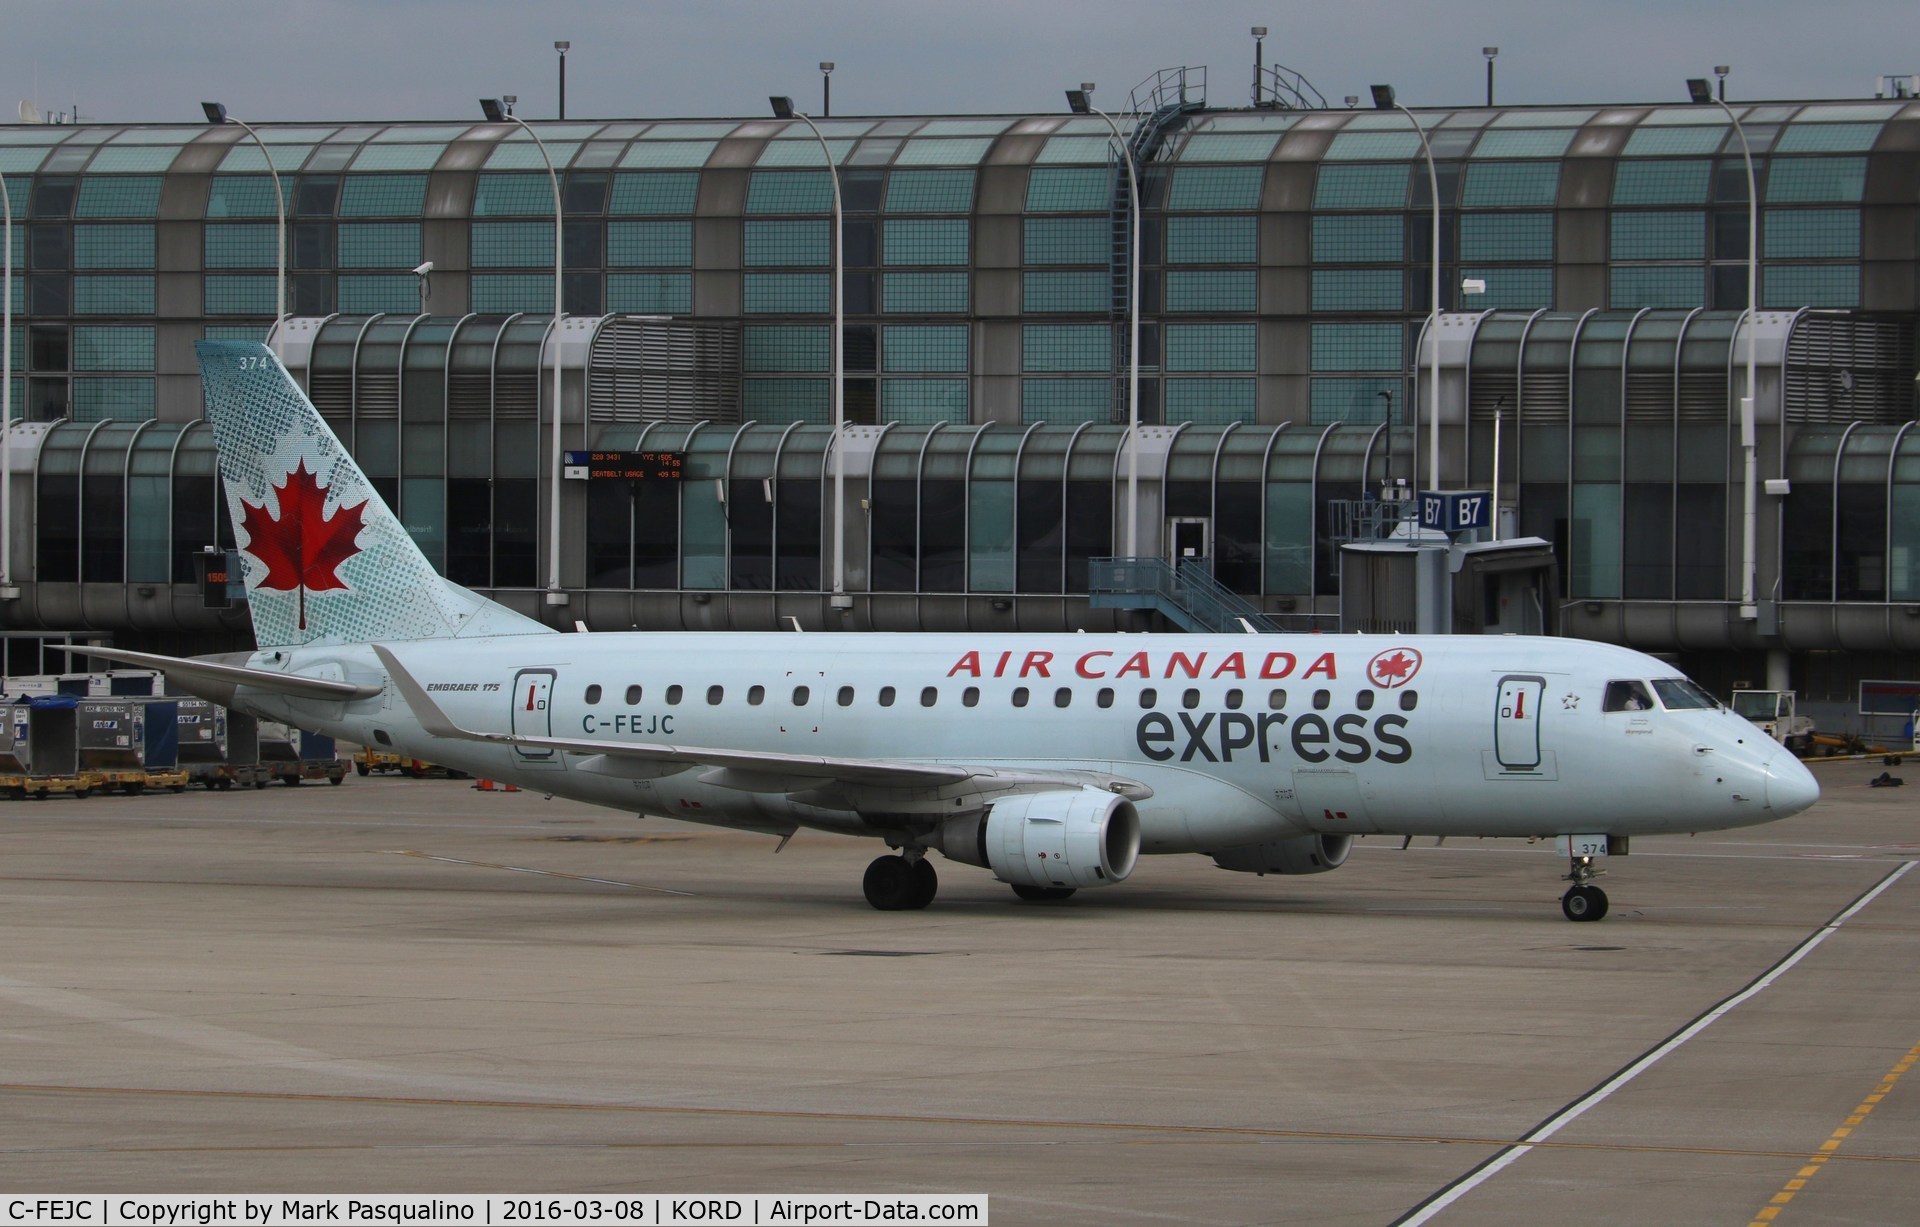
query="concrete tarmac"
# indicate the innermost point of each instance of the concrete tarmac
(412, 986)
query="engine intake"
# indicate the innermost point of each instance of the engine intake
(1301, 854)
(1073, 839)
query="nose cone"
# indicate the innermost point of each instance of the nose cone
(1790, 786)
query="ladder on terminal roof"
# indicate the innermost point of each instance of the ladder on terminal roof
(1159, 105)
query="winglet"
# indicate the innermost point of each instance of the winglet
(432, 719)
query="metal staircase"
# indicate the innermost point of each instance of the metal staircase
(1190, 597)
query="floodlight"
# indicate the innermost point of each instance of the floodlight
(782, 106)
(1383, 97)
(1699, 90)
(216, 114)
(491, 108)
(1078, 102)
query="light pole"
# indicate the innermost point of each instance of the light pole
(217, 114)
(561, 45)
(1701, 92)
(7, 590)
(783, 109)
(1259, 36)
(826, 88)
(499, 114)
(1383, 99)
(1490, 53)
(1080, 101)
(1721, 71)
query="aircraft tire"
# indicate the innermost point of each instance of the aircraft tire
(1584, 903)
(1042, 894)
(926, 884)
(889, 884)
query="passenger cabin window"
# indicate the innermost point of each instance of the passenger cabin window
(1276, 699)
(1234, 699)
(673, 695)
(1019, 696)
(1409, 699)
(1679, 694)
(1148, 697)
(715, 694)
(886, 696)
(633, 696)
(1062, 697)
(800, 696)
(1106, 696)
(845, 697)
(970, 697)
(1322, 700)
(593, 694)
(1627, 696)
(756, 695)
(929, 696)
(1190, 699)
(1364, 700)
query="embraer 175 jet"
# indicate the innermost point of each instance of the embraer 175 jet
(1053, 761)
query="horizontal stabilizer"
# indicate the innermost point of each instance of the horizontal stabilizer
(195, 676)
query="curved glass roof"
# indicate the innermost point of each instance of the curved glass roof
(1677, 130)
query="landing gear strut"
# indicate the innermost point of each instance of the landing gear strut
(901, 883)
(1583, 900)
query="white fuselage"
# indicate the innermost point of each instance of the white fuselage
(1242, 739)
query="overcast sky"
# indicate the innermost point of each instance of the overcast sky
(154, 60)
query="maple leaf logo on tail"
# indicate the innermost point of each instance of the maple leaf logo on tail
(304, 547)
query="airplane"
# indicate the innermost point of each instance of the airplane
(1054, 761)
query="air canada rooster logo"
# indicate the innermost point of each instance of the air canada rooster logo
(304, 547)
(1393, 668)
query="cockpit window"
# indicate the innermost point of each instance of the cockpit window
(1679, 694)
(1628, 696)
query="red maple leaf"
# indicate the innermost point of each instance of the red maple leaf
(304, 547)
(1394, 666)
(1394, 670)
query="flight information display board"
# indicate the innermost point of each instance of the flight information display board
(626, 466)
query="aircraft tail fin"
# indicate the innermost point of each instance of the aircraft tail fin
(326, 561)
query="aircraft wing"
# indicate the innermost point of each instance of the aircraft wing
(749, 770)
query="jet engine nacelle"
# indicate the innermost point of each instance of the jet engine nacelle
(1060, 838)
(1300, 854)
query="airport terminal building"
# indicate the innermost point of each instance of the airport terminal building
(1592, 348)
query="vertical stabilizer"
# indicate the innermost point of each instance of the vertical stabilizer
(325, 560)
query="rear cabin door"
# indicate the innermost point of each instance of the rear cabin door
(533, 716)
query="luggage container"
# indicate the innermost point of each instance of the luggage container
(241, 762)
(111, 742)
(13, 738)
(201, 731)
(315, 757)
(51, 756)
(161, 762)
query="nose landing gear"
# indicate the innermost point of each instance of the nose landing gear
(1583, 900)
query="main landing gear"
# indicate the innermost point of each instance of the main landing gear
(1583, 900)
(901, 883)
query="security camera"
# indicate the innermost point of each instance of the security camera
(424, 269)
